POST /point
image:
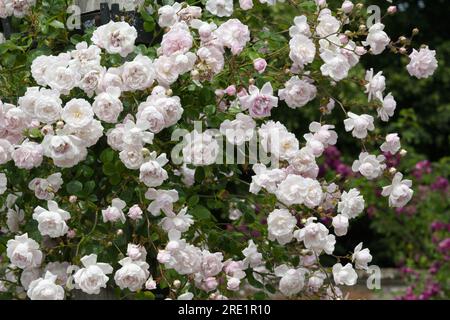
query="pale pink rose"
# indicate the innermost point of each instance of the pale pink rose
(28, 155)
(260, 65)
(135, 213)
(246, 4)
(231, 90)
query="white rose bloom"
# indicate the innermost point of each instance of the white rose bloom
(115, 211)
(132, 275)
(166, 71)
(92, 277)
(138, 74)
(132, 157)
(296, 189)
(315, 281)
(168, 15)
(152, 173)
(136, 252)
(3, 183)
(233, 34)
(375, 84)
(220, 8)
(89, 134)
(150, 117)
(115, 137)
(281, 224)
(45, 288)
(136, 134)
(422, 63)
(77, 113)
(211, 264)
(115, 37)
(180, 221)
(361, 257)
(399, 191)
(39, 67)
(328, 24)
(163, 200)
(90, 81)
(340, 224)
(269, 135)
(169, 107)
(111, 78)
(302, 50)
(6, 150)
(300, 26)
(344, 275)
(59, 76)
(351, 204)
(292, 280)
(369, 166)
(239, 130)
(85, 57)
(16, 120)
(42, 104)
(388, 107)
(200, 149)
(24, 252)
(297, 92)
(377, 39)
(107, 105)
(65, 150)
(266, 178)
(316, 237)
(303, 163)
(51, 222)
(392, 144)
(253, 258)
(336, 65)
(359, 125)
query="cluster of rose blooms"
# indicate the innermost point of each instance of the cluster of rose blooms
(16, 8)
(69, 130)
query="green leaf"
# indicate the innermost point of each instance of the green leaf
(57, 24)
(149, 26)
(201, 213)
(74, 187)
(107, 155)
(193, 200)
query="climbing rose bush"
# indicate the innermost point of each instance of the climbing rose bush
(118, 168)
